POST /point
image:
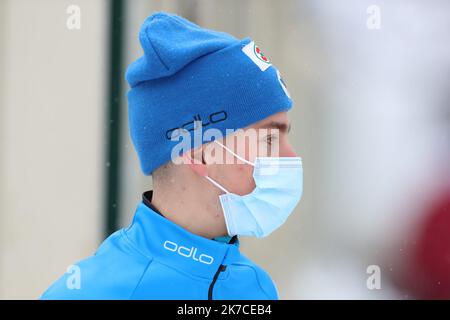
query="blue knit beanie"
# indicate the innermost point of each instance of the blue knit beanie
(189, 73)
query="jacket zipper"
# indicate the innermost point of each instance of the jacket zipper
(216, 275)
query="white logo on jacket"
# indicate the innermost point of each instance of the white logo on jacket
(188, 252)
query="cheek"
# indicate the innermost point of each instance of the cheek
(243, 182)
(236, 178)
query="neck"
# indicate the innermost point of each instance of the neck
(195, 208)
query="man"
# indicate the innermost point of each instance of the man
(190, 92)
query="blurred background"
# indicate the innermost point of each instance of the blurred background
(370, 82)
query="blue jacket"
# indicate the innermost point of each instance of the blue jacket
(155, 258)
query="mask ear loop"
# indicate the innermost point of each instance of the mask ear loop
(212, 181)
(237, 156)
(217, 185)
(234, 154)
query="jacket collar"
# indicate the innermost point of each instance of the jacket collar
(170, 244)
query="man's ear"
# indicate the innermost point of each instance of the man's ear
(194, 159)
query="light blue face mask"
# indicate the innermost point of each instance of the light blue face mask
(279, 187)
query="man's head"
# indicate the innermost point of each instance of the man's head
(187, 76)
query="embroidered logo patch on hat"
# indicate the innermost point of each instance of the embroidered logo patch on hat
(256, 55)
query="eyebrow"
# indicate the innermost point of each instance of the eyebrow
(283, 127)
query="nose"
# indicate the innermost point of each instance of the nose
(288, 151)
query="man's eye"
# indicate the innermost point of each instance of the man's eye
(271, 139)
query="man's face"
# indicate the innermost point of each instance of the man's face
(268, 137)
